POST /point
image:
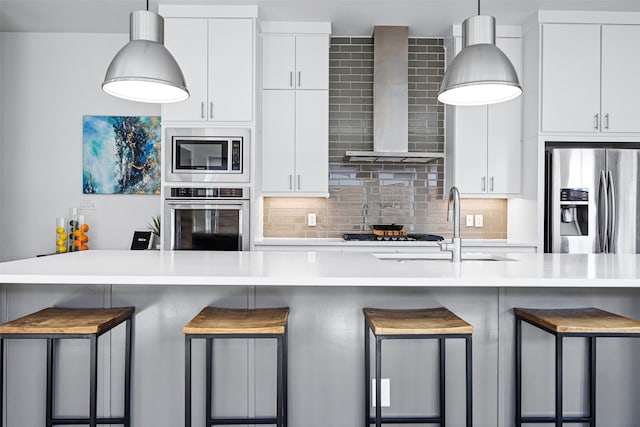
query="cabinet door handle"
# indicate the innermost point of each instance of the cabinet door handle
(483, 183)
(290, 182)
(202, 110)
(290, 78)
(606, 121)
(596, 121)
(491, 184)
(211, 110)
(298, 181)
(299, 78)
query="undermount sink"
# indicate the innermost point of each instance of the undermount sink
(438, 256)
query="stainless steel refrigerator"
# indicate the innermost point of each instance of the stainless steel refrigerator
(592, 200)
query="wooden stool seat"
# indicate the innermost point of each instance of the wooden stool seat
(579, 320)
(422, 321)
(216, 321)
(67, 321)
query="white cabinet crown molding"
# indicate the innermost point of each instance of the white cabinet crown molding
(281, 27)
(208, 11)
(586, 17)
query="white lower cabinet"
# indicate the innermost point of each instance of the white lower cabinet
(295, 142)
(484, 149)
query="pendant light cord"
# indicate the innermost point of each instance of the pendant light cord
(148, 5)
(478, 6)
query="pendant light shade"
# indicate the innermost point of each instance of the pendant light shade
(481, 73)
(144, 70)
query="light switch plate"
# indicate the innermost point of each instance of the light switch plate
(479, 221)
(469, 220)
(311, 220)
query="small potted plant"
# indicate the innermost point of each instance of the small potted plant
(155, 227)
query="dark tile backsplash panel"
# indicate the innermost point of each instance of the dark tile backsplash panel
(364, 193)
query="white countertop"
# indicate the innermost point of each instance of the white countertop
(326, 268)
(289, 241)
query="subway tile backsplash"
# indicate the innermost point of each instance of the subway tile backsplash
(364, 193)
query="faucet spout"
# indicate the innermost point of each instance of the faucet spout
(453, 215)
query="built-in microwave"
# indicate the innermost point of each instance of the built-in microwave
(207, 155)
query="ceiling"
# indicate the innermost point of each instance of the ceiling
(349, 17)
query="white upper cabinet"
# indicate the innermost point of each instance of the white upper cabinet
(620, 78)
(295, 109)
(216, 56)
(295, 61)
(588, 74)
(484, 147)
(295, 150)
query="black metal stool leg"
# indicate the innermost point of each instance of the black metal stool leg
(93, 381)
(285, 378)
(209, 381)
(592, 381)
(367, 375)
(518, 376)
(469, 369)
(442, 359)
(50, 375)
(559, 411)
(279, 374)
(127, 373)
(378, 382)
(187, 382)
(1, 382)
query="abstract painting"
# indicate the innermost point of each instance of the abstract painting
(121, 155)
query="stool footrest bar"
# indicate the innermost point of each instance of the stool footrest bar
(407, 420)
(85, 421)
(551, 419)
(240, 421)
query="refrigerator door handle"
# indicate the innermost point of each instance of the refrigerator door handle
(603, 212)
(611, 226)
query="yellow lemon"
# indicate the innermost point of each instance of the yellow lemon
(60, 242)
(63, 236)
(59, 230)
(62, 249)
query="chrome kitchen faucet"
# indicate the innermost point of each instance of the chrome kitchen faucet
(453, 214)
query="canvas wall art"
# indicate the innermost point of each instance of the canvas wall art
(121, 154)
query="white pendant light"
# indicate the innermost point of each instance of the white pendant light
(144, 70)
(481, 73)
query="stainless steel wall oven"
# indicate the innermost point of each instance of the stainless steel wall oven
(206, 218)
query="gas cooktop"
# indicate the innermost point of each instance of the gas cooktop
(407, 238)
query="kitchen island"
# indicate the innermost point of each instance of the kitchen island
(326, 292)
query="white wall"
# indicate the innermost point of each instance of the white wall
(49, 81)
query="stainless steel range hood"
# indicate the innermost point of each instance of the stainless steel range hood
(391, 101)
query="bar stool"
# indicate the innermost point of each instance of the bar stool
(56, 323)
(590, 323)
(428, 323)
(263, 323)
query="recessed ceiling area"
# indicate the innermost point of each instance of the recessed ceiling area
(349, 17)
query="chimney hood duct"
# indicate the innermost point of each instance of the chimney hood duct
(391, 101)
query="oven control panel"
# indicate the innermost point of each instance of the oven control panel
(209, 193)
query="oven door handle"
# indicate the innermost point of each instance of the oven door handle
(224, 204)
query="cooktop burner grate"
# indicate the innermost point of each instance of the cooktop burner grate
(400, 238)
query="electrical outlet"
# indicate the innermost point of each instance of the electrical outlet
(385, 392)
(87, 203)
(311, 220)
(479, 221)
(469, 220)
